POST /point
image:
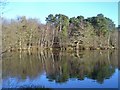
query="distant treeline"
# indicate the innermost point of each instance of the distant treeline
(60, 31)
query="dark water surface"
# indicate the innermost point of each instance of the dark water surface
(86, 69)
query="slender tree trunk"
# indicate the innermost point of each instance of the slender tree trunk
(77, 46)
(53, 37)
(108, 39)
(77, 49)
(60, 26)
(46, 37)
(41, 41)
(30, 39)
(20, 44)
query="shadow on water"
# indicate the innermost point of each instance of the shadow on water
(59, 66)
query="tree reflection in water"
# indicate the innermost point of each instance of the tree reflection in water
(60, 66)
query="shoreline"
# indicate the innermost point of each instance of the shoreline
(68, 49)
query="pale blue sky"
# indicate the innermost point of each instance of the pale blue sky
(41, 10)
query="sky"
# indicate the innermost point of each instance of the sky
(63, 0)
(41, 10)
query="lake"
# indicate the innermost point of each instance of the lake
(47, 69)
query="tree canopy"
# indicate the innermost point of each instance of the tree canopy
(93, 32)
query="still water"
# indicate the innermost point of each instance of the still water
(36, 69)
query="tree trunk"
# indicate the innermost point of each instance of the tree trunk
(30, 39)
(20, 44)
(77, 46)
(108, 39)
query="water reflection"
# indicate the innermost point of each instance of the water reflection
(59, 67)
